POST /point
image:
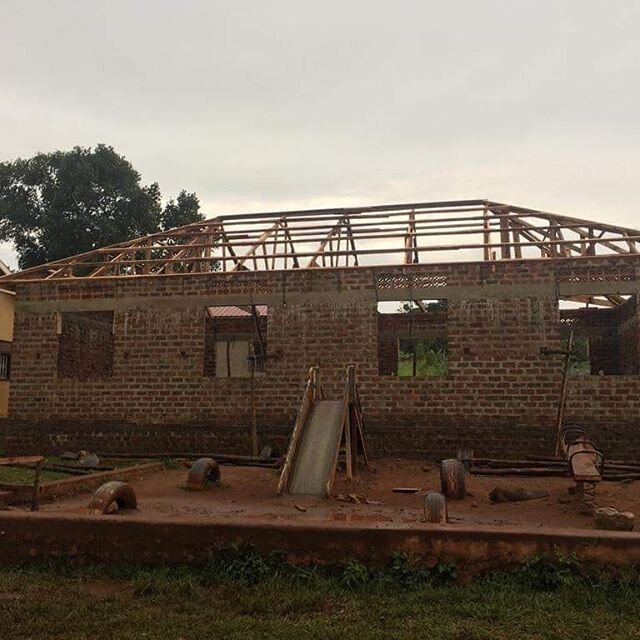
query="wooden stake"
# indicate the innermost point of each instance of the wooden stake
(35, 496)
(563, 394)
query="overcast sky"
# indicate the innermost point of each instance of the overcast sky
(278, 104)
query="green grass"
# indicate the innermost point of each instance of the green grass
(240, 595)
(24, 475)
(428, 364)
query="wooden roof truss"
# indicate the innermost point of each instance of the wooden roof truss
(329, 238)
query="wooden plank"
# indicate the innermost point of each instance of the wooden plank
(310, 393)
(14, 460)
(583, 459)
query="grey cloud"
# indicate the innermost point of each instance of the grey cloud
(259, 105)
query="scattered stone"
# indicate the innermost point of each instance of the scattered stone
(474, 505)
(88, 459)
(356, 498)
(515, 495)
(614, 520)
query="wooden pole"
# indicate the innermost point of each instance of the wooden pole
(563, 393)
(35, 496)
(254, 421)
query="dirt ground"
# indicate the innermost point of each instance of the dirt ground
(249, 493)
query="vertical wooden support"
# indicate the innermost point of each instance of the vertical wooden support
(486, 234)
(516, 238)
(505, 249)
(254, 420)
(563, 394)
(35, 496)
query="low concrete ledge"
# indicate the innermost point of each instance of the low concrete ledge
(133, 539)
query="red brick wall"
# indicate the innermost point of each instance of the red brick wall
(85, 344)
(500, 394)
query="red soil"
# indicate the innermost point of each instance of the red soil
(249, 493)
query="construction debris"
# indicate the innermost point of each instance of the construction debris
(87, 459)
(405, 489)
(614, 520)
(356, 498)
(502, 494)
(220, 458)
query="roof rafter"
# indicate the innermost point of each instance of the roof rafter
(330, 238)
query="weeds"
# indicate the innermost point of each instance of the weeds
(240, 593)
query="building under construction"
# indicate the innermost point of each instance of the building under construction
(458, 317)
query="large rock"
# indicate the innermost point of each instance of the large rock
(614, 520)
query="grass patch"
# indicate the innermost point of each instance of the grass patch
(25, 475)
(240, 594)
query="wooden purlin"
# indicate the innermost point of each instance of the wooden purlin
(385, 234)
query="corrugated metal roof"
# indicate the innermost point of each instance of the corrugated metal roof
(235, 312)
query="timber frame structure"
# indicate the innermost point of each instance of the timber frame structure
(416, 233)
(144, 326)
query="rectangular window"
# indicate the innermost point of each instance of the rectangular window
(412, 338)
(85, 344)
(235, 341)
(606, 334)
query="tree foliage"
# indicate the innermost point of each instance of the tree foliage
(57, 204)
(184, 210)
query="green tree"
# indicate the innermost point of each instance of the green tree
(183, 210)
(57, 204)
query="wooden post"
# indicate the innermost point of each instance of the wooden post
(452, 482)
(254, 422)
(505, 249)
(35, 496)
(486, 234)
(563, 393)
